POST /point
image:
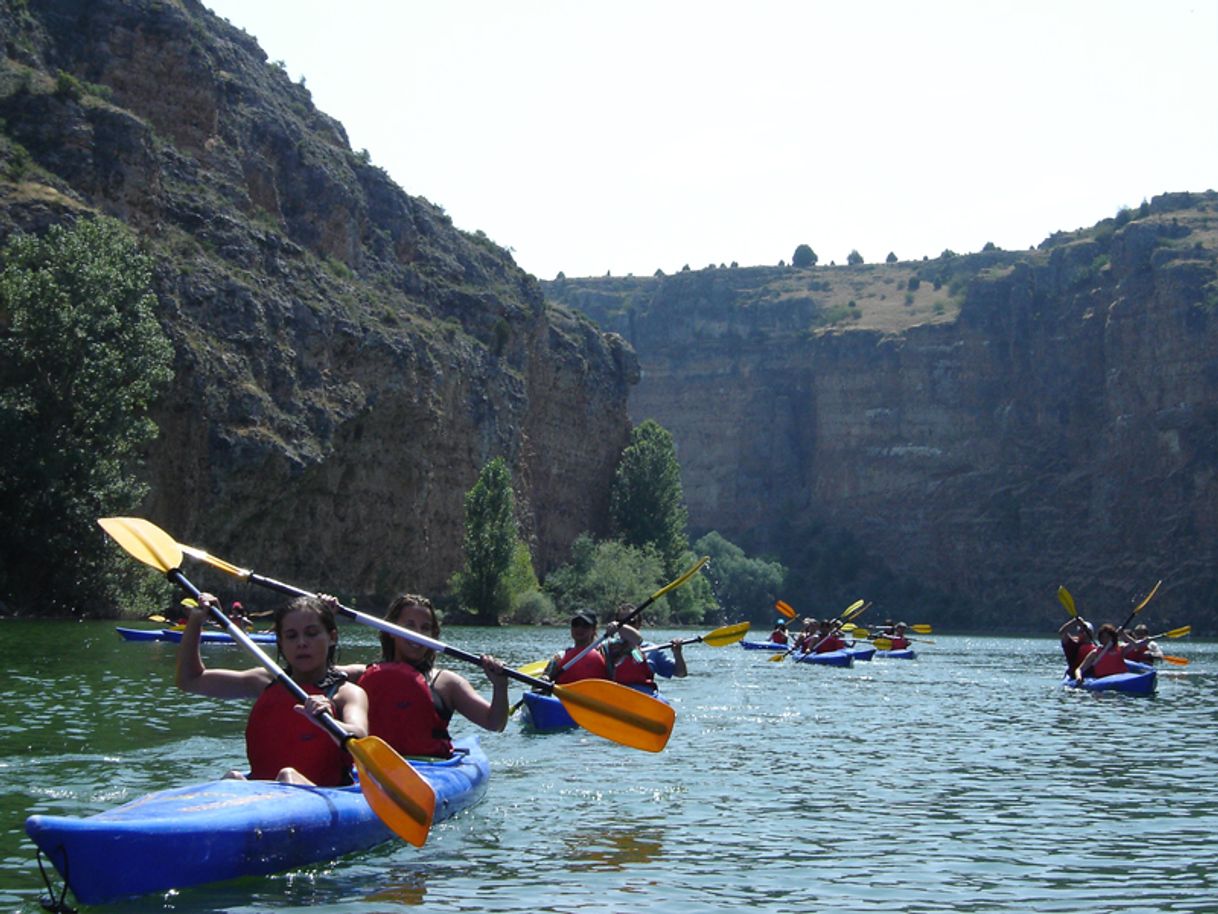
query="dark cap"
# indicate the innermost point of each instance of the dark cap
(584, 617)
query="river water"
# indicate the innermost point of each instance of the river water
(966, 780)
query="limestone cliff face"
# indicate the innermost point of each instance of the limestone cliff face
(346, 360)
(1004, 423)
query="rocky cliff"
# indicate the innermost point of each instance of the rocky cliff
(954, 437)
(346, 360)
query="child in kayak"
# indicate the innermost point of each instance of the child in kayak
(283, 740)
(1108, 659)
(410, 702)
(829, 638)
(1150, 652)
(779, 635)
(627, 663)
(1077, 640)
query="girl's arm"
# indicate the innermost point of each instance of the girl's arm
(352, 705)
(193, 676)
(464, 698)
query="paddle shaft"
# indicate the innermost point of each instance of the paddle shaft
(396, 630)
(667, 644)
(332, 726)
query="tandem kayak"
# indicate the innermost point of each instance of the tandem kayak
(224, 829)
(546, 714)
(828, 658)
(861, 653)
(905, 653)
(1133, 683)
(763, 646)
(173, 634)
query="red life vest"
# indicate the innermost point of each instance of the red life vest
(277, 737)
(779, 637)
(631, 672)
(1080, 654)
(1109, 665)
(831, 643)
(1140, 655)
(898, 644)
(591, 666)
(402, 710)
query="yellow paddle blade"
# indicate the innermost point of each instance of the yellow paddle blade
(860, 633)
(779, 656)
(923, 629)
(618, 713)
(882, 644)
(785, 609)
(1067, 601)
(850, 627)
(227, 567)
(395, 791)
(143, 541)
(534, 669)
(728, 634)
(1146, 599)
(1180, 632)
(1178, 661)
(157, 617)
(854, 609)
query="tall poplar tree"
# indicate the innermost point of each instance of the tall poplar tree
(647, 504)
(490, 541)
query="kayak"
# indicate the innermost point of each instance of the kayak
(828, 658)
(173, 634)
(763, 646)
(224, 829)
(1132, 683)
(905, 653)
(861, 653)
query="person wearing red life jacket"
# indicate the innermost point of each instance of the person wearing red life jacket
(898, 639)
(807, 637)
(1077, 640)
(593, 664)
(1108, 657)
(629, 665)
(284, 740)
(829, 638)
(779, 635)
(1150, 652)
(410, 701)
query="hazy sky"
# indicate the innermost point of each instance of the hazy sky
(626, 136)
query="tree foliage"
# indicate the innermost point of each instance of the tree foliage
(804, 256)
(490, 543)
(746, 588)
(82, 358)
(647, 504)
(854, 258)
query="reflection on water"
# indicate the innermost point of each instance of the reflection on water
(964, 781)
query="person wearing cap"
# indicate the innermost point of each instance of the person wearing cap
(898, 639)
(592, 665)
(1077, 639)
(236, 612)
(630, 665)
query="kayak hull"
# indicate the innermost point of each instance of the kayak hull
(547, 714)
(170, 634)
(1133, 683)
(225, 829)
(763, 646)
(828, 658)
(907, 653)
(862, 653)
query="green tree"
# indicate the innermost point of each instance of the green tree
(646, 503)
(82, 358)
(745, 587)
(891, 258)
(490, 542)
(804, 256)
(854, 258)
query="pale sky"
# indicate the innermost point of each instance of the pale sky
(589, 136)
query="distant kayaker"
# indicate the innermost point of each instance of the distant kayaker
(898, 639)
(630, 666)
(779, 635)
(1108, 657)
(807, 637)
(1150, 652)
(828, 638)
(1077, 638)
(593, 664)
(410, 701)
(283, 740)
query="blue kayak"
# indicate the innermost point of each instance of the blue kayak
(763, 646)
(224, 829)
(546, 714)
(173, 634)
(906, 653)
(861, 653)
(1132, 683)
(828, 658)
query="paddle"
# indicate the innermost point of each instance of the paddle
(1066, 600)
(852, 611)
(605, 708)
(1141, 606)
(1180, 632)
(1178, 661)
(785, 609)
(720, 637)
(396, 792)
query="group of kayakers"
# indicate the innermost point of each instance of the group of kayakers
(623, 656)
(401, 698)
(1092, 654)
(825, 635)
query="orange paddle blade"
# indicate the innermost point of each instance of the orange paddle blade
(785, 609)
(618, 713)
(395, 791)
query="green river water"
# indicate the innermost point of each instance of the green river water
(967, 780)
